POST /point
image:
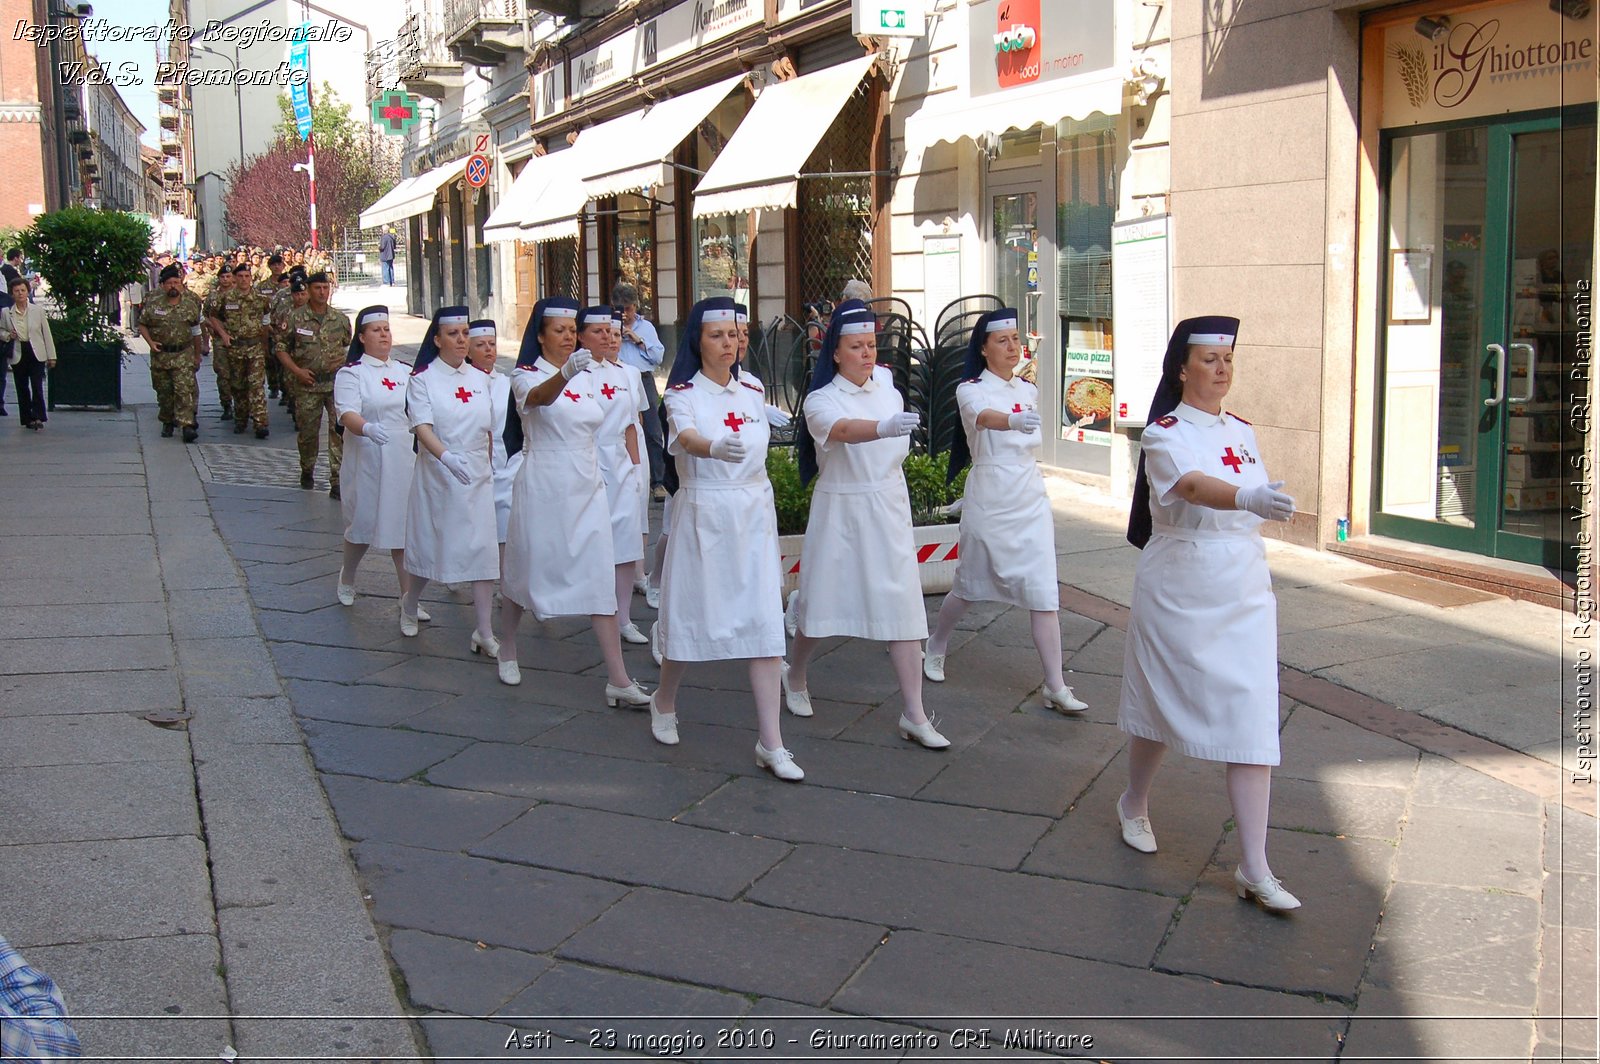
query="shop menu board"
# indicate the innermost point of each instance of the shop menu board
(1141, 307)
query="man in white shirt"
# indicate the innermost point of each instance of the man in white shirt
(642, 349)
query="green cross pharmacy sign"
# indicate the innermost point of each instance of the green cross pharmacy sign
(889, 18)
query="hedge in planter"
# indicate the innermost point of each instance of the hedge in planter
(931, 494)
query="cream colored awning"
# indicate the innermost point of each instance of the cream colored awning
(950, 116)
(760, 166)
(636, 151)
(414, 195)
(505, 221)
(559, 200)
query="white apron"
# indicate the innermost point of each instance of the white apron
(1008, 544)
(858, 569)
(558, 548)
(450, 525)
(621, 397)
(720, 584)
(505, 467)
(375, 482)
(1200, 670)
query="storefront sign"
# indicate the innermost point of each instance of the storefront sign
(1521, 56)
(792, 9)
(1087, 397)
(941, 274)
(1024, 42)
(606, 64)
(888, 18)
(676, 32)
(1141, 307)
(549, 91)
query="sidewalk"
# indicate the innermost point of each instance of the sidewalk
(530, 853)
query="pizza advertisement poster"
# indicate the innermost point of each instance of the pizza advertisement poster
(1086, 397)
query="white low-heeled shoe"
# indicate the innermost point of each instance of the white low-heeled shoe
(1062, 701)
(652, 596)
(924, 733)
(655, 641)
(422, 614)
(1268, 893)
(933, 667)
(791, 623)
(633, 696)
(779, 762)
(408, 625)
(640, 584)
(1136, 831)
(346, 592)
(630, 634)
(664, 726)
(799, 702)
(510, 673)
(484, 644)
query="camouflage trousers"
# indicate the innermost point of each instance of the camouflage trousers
(222, 364)
(310, 404)
(249, 384)
(172, 376)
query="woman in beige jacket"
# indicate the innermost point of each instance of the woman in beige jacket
(32, 349)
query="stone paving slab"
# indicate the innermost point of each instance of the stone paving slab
(455, 975)
(1027, 764)
(575, 1000)
(509, 719)
(1015, 908)
(1459, 942)
(435, 818)
(502, 904)
(1419, 1026)
(871, 822)
(81, 803)
(379, 753)
(106, 653)
(82, 622)
(92, 738)
(634, 850)
(708, 942)
(574, 779)
(357, 704)
(1503, 852)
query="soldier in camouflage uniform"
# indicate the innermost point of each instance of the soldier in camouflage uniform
(312, 347)
(268, 289)
(240, 329)
(170, 324)
(290, 296)
(221, 355)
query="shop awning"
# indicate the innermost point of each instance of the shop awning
(950, 116)
(505, 221)
(559, 200)
(760, 167)
(414, 195)
(637, 154)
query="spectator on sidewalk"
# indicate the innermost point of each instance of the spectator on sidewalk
(386, 243)
(642, 349)
(32, 350)
(33, 1018)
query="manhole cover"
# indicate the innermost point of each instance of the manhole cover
(269, 467)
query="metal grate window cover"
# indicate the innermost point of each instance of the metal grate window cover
(565, 277)
(835, 213)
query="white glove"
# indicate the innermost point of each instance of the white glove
(900, 424)
(1025, 421)
(457, 466)
(729, 448)
(777, 418)
(576, 363)
(375, 432)
(1266, 501)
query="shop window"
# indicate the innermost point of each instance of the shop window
(721, 244)
(628, 233)
(1086, 206)
(835, 214)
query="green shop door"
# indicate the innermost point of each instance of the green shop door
(1490, 228)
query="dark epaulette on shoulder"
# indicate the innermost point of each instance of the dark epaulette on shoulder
(685, 386)
(1168, 421)
(421, 369)
(753, 387)
(1239, 419)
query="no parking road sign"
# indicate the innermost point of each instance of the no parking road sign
(477, 170)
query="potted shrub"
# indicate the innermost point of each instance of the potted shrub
(934, 528)
(85, 255)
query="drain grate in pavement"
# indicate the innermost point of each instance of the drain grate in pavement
(268, 467)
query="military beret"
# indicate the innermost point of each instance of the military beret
(170, 271)
(320, 277)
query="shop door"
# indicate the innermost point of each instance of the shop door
(1016, 256)
(1490, 228)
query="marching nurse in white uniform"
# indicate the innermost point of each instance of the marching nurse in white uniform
(450, 518)
(621, 395)
(481, 352)
(558, 549)
(859, 574)
(1008, 542)
(1200, 672)
(369, 394)
(720, 582)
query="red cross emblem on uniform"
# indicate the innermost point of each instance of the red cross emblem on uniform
(1016, 408)
(608, 391)
(1231, 460)
(733, 421)
(463, 394)
(571, 395)
(389, 384)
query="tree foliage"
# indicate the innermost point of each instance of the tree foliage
(268, 203)
(85, 253)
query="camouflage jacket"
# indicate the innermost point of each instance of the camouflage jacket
(241, 313)
(317, 342)
(172, 325)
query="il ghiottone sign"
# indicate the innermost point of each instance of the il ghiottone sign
(1024, 42)
(1523, 56)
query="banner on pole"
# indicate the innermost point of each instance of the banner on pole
(300, 88)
